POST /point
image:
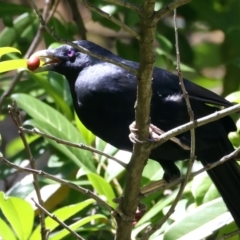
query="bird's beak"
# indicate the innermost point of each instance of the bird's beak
(48, 58)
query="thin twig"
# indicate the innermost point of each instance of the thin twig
(76, 15)
(55, 218)
(59, 180)
(194, 124)
(124, 4)
(209, 166)
(81, 49)
(76, 145)
(15, 114)
(185, 93)
(89, 6)
(229, 235)
(153, 229)
(168, 8)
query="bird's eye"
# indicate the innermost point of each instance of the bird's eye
(71, 53)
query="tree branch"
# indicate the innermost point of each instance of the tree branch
(194, 124)
(15, 114)
(76, 145)
(41, 208)
(59, 180)
(77, 18)
(159, 184)
(111, 18)
(124, 4)
(168, 8)
(141, 152)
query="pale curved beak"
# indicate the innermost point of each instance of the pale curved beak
(48, 58)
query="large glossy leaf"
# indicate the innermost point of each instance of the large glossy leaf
(12, 65)
(5, 231)
(200, 222)
(19, 214)
(5, 50)
(50, 121)
(12, 9)
(62, 214)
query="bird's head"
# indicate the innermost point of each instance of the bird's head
(67, 60)
(64, 60)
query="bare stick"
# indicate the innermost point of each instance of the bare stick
(76, 145)
(194, 124)
(168, 8)
(125, 4)
(77, 18)
(14, 112)
(59, 180)
(111, 18)
(229, 235)
(209, 166)
(57, 220)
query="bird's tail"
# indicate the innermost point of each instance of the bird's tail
(226, 178)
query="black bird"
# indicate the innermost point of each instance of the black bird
(104, 96)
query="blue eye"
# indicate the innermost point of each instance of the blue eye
(71, 53)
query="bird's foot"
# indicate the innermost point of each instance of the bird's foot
(154, 136)
(133, 134)
(156, 132)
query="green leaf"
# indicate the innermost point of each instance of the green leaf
(200, 223)
(11, 9)
(88, 135)
(6, 231)
(234, 97)
(12, 65)
(62, 214)
(80, 157)
(76, 225)
(102, 187)
(19, 214)
(5, 50)
(200, 186)
(50, 90)
(50, 121)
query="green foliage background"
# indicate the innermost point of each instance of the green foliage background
(209, 36)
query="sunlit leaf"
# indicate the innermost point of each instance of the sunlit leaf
(12, 65)
(102, 187)
(201, 222)
(19, 214)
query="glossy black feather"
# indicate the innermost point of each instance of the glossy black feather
(104, 96)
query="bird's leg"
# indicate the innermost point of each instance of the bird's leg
(118, 211)
(134, 219)
(154, 133)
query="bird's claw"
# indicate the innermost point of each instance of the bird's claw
(133, 134)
